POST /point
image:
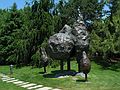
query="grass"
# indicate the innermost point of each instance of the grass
(9, 86)
(99, 78)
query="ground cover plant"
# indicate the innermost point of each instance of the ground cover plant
(98, 79)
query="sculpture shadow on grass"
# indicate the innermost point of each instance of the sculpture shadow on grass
(59, 73)
(80, 80)
(41, 72)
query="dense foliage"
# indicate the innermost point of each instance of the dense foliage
(24, 31)
(105, 36)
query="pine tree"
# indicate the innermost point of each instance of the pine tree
(108, 30)
(42, 23)
(90, 9)
(115, 24)
(3, 18)
(9, 32)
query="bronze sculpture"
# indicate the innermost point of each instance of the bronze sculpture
(70, 42)
(85, 64)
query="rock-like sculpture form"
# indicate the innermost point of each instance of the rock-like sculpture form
(44, 59)
(81, 34)
(69, 41)
(85, 64)
(61, 44)
(82, 39)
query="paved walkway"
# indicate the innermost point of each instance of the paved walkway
(27, 85)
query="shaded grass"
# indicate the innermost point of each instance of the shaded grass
(99, 78)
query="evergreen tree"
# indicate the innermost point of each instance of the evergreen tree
(3, 17)
(8, 34)
(42, 23)
(90, 9)
(107, 33)
(114, 25)
(24, 31)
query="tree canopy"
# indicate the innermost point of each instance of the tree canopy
(23, 31)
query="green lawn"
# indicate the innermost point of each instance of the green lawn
(9, 86)
(99, 79)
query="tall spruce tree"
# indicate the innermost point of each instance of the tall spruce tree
(42, 23)
(68, 11)
(8, 34)
(114, 26)
(108, 32)
(3, 17)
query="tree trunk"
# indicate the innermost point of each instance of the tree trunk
(44, 69)
(61, 65)
(85, 77)
(79, 70)
(68, 64)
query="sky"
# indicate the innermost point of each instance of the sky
(4, 4)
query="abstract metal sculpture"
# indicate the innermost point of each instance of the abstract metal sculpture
(70, 42)
(85, 64)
